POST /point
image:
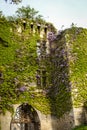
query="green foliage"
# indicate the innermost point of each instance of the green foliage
(26, 12)
(58, 79)
(77, 48)
(30, 14)
(17, 65)
(14, 1)
(81, 128)
(0, 14)
(64, 68)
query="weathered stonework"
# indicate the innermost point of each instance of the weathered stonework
(69, 116)
(48, 122)
(5, 121)
(79, 116)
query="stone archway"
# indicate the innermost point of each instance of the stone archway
(25, 118)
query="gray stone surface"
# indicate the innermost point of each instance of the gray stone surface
(76, 117)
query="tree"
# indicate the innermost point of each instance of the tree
(11, 18)
(1, 14)
(39, 19)
(14, 1)
(26, 12)
(33, 13)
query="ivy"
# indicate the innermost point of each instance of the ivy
(17, 65)
(78, 68)
(62, 70)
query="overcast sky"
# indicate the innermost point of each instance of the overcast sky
(59, 12)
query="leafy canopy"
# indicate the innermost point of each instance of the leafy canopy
(26, 12)
(13, 1)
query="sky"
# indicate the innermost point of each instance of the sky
(62, 13)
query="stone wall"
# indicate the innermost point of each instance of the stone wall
(49, 122)
(76, 117)
(5, 121)
(80, 116)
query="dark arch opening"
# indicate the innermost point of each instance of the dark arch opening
(31, 27)
(25, 118)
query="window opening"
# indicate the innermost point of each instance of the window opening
(38, 28)
(32, 26)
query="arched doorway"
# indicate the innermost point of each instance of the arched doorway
(25, 118)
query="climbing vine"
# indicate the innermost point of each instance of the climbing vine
(59, 74)
(17, 65)
(77, 49)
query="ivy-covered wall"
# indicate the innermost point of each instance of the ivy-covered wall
(17, 65)
(76, 39)
(59, 75)
(59, 89)
(66, 71)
